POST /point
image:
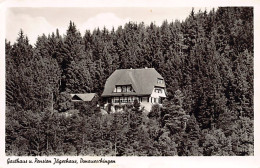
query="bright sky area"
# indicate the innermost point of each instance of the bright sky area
(36, 21)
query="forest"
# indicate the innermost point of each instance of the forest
(206, 61)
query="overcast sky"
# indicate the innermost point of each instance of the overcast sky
(36, 21)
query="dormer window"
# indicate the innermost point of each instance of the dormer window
(159, 81)
(123, 89)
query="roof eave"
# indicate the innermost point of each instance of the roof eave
(121, 95)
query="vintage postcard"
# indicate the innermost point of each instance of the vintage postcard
(129, 84)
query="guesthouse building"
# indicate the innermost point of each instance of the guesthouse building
(125, 85)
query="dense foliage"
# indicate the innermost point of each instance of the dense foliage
(206, 60)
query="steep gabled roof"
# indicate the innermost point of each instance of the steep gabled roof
(142, 81)
(83, 97)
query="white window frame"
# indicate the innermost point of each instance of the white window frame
(159, 81)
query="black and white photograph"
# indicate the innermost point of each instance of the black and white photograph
(129, 81)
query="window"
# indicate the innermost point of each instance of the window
(125, 99)
(160, 81)
(116, 99)
(160, 100)
(129, 99)
(158, 90)
(118, 89)
(123, 88)
(129, 89)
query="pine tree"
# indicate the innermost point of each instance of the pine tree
(175, 118)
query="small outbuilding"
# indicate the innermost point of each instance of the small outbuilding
(86, 97)
(86, 103)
